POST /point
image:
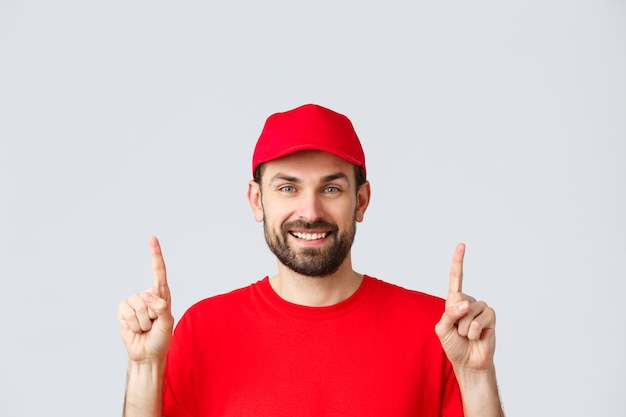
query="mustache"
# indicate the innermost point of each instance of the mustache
(304, 225)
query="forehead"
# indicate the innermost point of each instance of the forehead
(308, 164)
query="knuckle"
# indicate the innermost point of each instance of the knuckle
(122, 307)
(475, 325)
(127, 315)
(145, 325)
(125, 311)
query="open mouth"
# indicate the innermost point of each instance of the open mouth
(309, 236)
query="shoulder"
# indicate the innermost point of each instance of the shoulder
(394, 296)
(225, 304)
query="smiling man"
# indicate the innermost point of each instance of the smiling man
(317, 338)
(304, 239)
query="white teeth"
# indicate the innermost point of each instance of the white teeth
(309, 236)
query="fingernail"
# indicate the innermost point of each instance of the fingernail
(148, 298)
(463, 307)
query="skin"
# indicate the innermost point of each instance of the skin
(146, 325)
(467, 334)
(309, 186)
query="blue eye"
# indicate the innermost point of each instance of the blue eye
(288, 189)
(331, 189)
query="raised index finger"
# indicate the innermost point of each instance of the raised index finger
(158, 268)
(456, 270)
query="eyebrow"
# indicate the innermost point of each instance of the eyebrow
(337, 176)
(284, 177)
(296, 180)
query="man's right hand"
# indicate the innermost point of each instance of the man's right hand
(145, 319)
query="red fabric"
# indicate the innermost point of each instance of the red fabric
(250, 353)
(308, 127)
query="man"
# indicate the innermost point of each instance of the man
(317, 338)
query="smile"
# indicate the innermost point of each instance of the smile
(309, 236)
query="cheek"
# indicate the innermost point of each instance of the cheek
(275, 214)
(345, 214)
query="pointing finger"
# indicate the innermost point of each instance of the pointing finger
(456, 270)
(158, 268)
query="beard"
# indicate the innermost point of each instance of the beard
(311, 261)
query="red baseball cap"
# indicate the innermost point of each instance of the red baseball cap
(308, 127)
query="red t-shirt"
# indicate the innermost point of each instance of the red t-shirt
(250, 353)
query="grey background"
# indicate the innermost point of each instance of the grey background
(500, 124)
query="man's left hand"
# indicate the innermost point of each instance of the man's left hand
(467, 327)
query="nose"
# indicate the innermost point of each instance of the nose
(310, 207)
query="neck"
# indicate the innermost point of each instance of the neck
(316, 291)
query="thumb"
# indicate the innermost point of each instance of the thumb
(450, 317)
(158, 308)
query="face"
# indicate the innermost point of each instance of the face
(309, 206)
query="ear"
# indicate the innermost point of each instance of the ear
(254, 198)
(362, 200)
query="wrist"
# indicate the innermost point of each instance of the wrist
(475, 377)
(146, 367)
(144, 388)
(479, 391)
